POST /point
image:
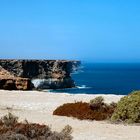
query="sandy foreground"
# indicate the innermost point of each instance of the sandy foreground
(38, 107)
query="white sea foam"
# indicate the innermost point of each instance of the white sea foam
(43, 83)
(82, 87)
(37, 82)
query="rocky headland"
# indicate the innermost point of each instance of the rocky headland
(38, 74)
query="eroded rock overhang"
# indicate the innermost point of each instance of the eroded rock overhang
(44, 74)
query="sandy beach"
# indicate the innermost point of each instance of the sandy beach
(38, 107)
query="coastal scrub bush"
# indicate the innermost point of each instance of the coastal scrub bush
(12, 136)
(113, 104)
(9, 119)
(97, 102)
(30, 131)
(95, 110)
(128, 109)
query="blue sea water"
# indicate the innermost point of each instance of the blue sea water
(106, 78)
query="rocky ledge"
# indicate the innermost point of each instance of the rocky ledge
(44, 74)
(11, 82)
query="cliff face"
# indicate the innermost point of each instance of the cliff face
(10, 82)
(43, 73)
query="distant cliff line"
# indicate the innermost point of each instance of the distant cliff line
(44, 74)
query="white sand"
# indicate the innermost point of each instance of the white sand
(38, 107)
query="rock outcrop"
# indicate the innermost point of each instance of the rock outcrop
(44, 74)
(9, 82)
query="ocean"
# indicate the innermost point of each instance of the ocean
(105, 78)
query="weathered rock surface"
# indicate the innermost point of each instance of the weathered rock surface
(9, 82)
(52, 74)
(15, 84)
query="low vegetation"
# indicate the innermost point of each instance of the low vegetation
(128, 109)
(95, 110)
(97, 100)
(11, 129)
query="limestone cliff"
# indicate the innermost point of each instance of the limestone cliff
(10, 82)
(45, 74)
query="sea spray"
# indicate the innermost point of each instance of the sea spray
(43, 83)
(53, 83)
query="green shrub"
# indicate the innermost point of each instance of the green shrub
(97, 102)
(128, 109)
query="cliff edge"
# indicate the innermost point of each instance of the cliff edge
(44, 74)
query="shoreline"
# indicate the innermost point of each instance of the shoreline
(37, 107)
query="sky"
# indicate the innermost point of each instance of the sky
(87, 30)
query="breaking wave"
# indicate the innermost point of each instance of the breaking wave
(82, 87)
(38, 82)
